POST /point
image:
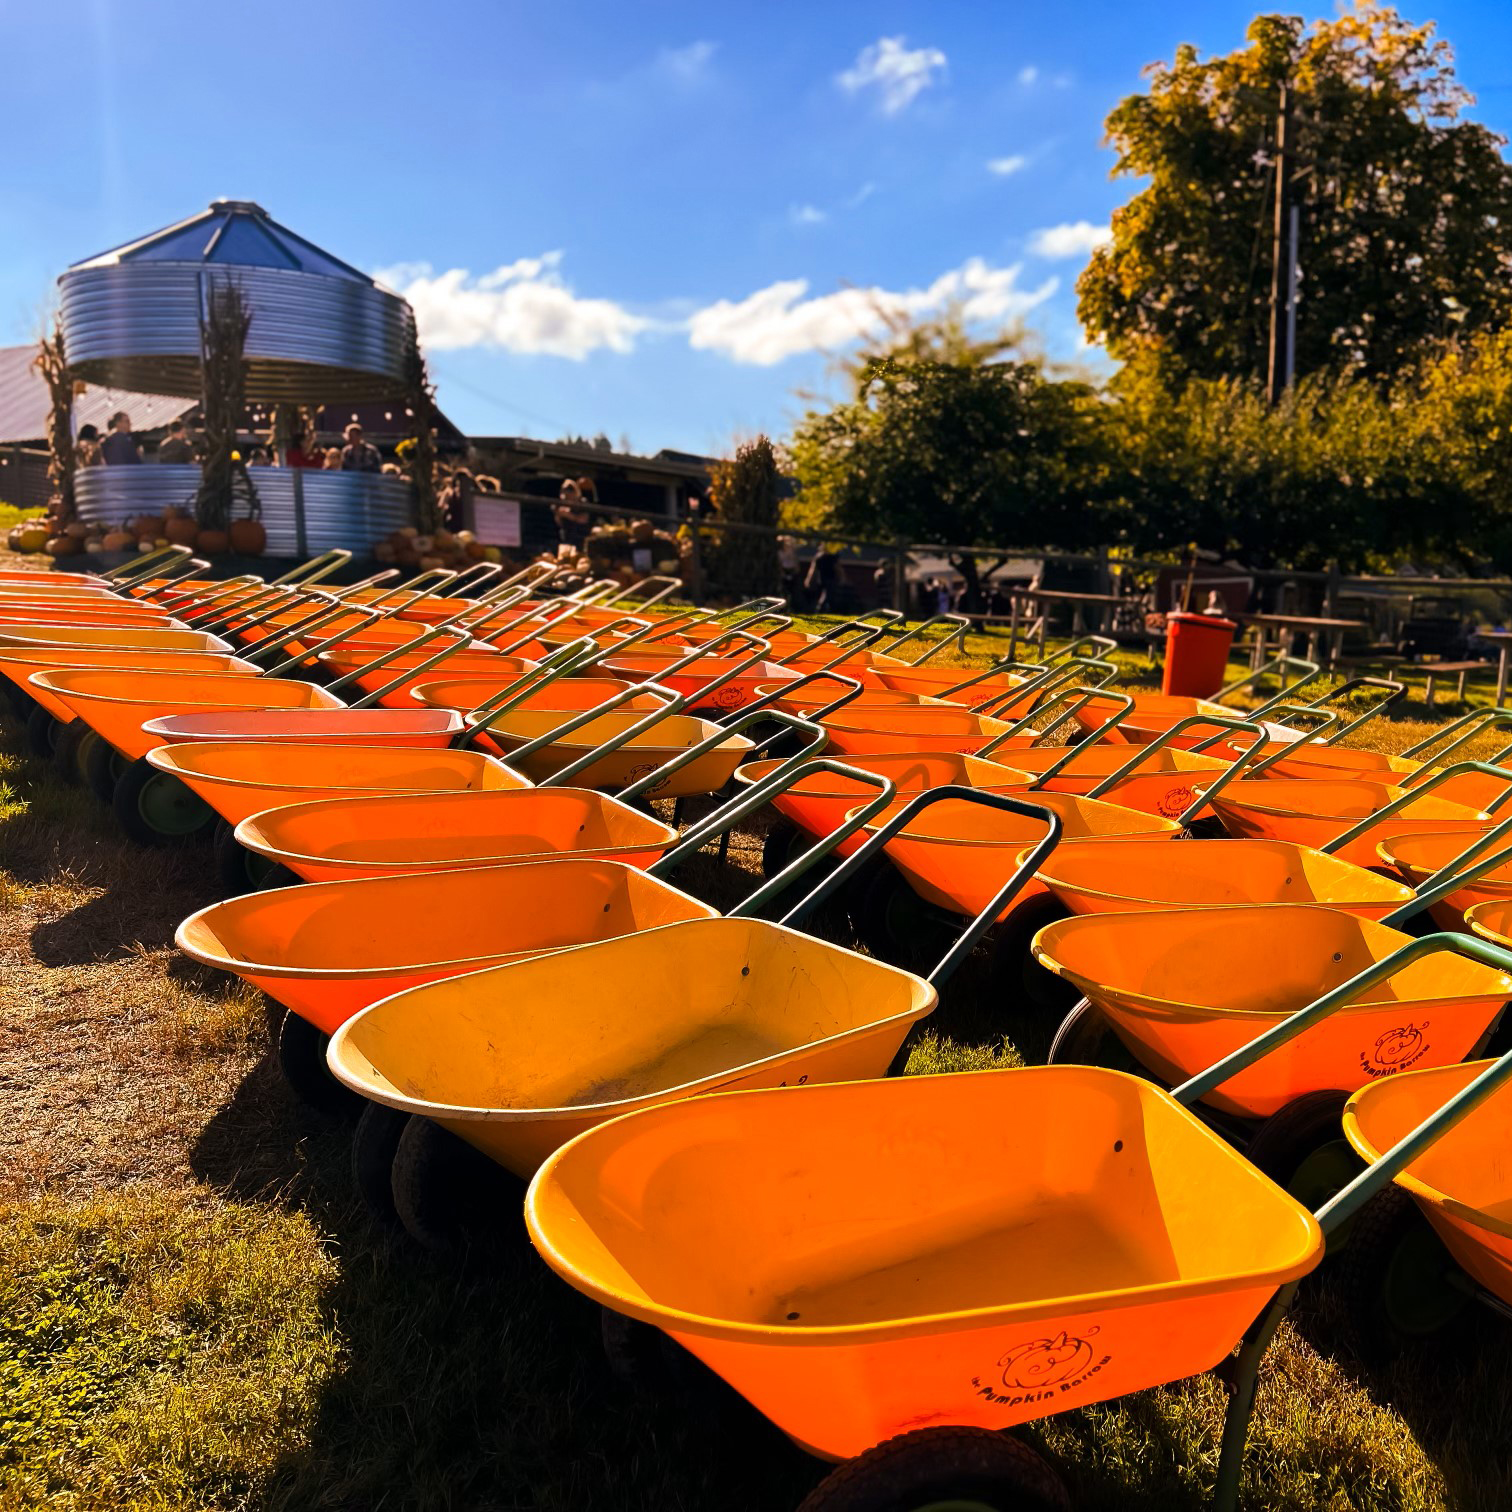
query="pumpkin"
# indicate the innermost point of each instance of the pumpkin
(248, 538)
(29, 536)
(75, 529)
(62, 545)
(119, 540)
(213, 541)
(94, 545)
(146, 525)
(181, 530)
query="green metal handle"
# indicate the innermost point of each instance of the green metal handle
(818, 738)
(1075, 699)
(728, 815)
(1434, 780)
(1282, 666)
(850, 688)
(958, 635)
(1475, 724)
(645, 600)
(1049, 678)
(148, 564)
(208, 602)
(560, 663)
(842, 648)
(1281, 714)
(1023, 871)
(1395, 691)
(316, 568)
(1478, 858)
(1100, 644)
(672, 702)
(456, 641)
(1167, 739)
(367, 617)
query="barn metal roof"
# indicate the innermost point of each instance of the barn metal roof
(24, 402)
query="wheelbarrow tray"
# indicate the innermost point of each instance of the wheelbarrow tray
(1182, 988)
(942, 683)
(464, 663)
(115, 638)
(978, 1249)
(518, 1059)
(18, 665)
(811, 699)
(740, 689)
(117, 704)
(427, 729)
(1313, 813)
(1152, 715)
(639, 756)
(18, 617)
(1417, 856)
(1163, 785)
(239, 778)
(1474, 790)
(957, 855)
(343, 838)
(85, 610)
(918, 727)
(818, 804)
(1088, 878)
(1461, 1182)
(329, 949)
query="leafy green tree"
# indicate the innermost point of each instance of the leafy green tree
(1406, 229)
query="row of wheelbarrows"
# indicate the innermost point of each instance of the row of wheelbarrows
(434, 829)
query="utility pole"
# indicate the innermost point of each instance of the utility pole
(1283, 293)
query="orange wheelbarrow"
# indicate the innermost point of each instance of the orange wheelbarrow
(801, 1243)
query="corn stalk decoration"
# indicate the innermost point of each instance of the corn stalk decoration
(224, 480)
(51, 363)
(417, 452)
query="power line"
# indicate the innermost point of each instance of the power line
(503, 404)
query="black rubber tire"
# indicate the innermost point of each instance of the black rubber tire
(1391, 1248)
(1015, 972)
(448, 1195)
(780, 846)
(930, 1466)
(42, 732)
(239, 870)
(17, 704)
(644, 1360)
(1085, 1038)
(66, 747)
(302, 1059)
(375, 1140)
(101, 767)
(143, 791)
(1302, 1148)
(898, 927)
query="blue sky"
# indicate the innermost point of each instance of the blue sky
(651, 219)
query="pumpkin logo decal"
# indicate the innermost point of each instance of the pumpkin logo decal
(1396, 1049)
(1039, 1369)
(728, 697)
(644, 769)
(1175, 802)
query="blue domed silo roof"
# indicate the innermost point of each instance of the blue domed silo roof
(321, 330)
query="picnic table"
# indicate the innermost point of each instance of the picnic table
(1022, 602)
(1502, 640)
(1315, 627)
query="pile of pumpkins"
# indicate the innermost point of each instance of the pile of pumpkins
(408, 547)
(174, 527)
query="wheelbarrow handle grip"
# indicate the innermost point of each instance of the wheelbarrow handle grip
(1464, 729)
(316, 568)
(850, 687)
(148, 564)
(818, 739)
(961, 623)
(1022, 873)
(1321, 1008)
(1394, 691)
(1167, 738)
(1282, 666)
(1100, 644)
(644, 599)
(672, 703)
(1433, 780)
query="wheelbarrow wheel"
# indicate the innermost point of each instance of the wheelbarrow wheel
(897, 926)
(1085, 1038)
(643, 1359)
(1301, 1148)
(375, 1141)
(154, 808)
(446, 1193)
(1014, 969)
(239, 870)
(302, 1059)
(42, 732)
(779, 847)
(1395, 1279)
(66, 748)
(101, 766)
(961, 1469)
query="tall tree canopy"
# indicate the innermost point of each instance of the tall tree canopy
(1406, 233)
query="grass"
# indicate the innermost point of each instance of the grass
(197, 1313)
(10, 515)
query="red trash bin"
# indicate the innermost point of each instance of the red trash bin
(1197, 652)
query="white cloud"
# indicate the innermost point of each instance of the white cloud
(861, 195)
(1003, 166)
(1073, 239)
(523, 306)
(1028, 74)
(686, 64)
(806, 215)
(898, 73)
(780, 321)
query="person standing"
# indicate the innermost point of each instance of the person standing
(87, 447)
(120, 445)
(359, 455)
(175, 446)
(823, 576)
(303, 452)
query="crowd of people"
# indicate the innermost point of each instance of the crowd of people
(118, 446)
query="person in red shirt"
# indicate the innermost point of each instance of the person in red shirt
(303, 452)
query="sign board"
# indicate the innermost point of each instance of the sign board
(496, 522)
